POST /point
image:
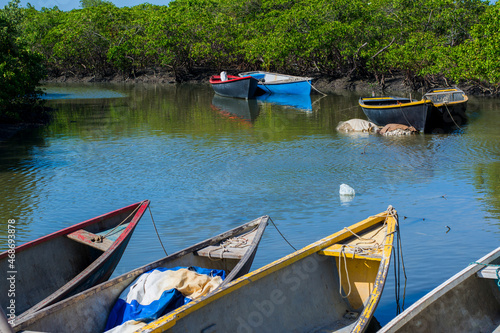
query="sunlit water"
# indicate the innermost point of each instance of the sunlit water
(206, 169)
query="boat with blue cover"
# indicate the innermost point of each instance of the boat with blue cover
(224, 257)
(275, 83)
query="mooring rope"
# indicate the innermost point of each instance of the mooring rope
(398, 263)
(100, 238)
(286, 240)
(157, 234)
(322, 93)
(446, 105)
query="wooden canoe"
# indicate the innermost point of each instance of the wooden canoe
(467, 302)
(67, 261)
(88, 311)
(301, 292)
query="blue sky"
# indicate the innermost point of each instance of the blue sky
(72, 4)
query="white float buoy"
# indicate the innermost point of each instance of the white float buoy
(346, 190)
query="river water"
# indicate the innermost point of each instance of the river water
(206, 170)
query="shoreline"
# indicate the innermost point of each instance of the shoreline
(323, 83)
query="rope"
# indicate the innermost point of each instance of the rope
(446, 105)
(157, 234)
(404, 115)
(100, 238)
(490, 265)
(322, 93)
(342, 253)
(263, 83)
(398, 263)
(360, 248)
(235, 242)
(282, 234)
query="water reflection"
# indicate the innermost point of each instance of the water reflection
(243, 109)
(300, 102)
(205, 172)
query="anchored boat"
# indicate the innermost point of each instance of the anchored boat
(467, 302)
(68, 261)
(234, 86)
(438, 108)
(275, 83)
(232, 252)
(332, 285)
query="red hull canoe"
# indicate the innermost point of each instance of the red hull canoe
(66, 262)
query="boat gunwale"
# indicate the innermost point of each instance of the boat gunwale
(299, 78)
(231, 78)
(393, 106)
(170, 319)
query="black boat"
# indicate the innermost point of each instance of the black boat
(234, 86)
(438, 108)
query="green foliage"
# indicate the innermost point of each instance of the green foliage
(20, 68)
(426, 39)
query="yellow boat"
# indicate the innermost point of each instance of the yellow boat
(300, 292)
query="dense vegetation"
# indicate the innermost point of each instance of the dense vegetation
(21, 69)
(429, 41)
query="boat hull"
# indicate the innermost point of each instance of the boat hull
(237, 87)
(467, 302)
(300, 292)
(88, 311)
(57, 266)
(392, 110)
(274, 83)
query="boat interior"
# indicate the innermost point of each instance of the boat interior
(43, 262)
(445, 96)
(384, 101)
(309, 287)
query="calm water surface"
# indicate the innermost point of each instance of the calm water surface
(206, 170)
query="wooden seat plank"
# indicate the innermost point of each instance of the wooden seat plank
(488, 272)
(335, 251)
(235, 250)
(90, 239)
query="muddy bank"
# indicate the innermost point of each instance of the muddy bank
(392, 83)
(323, 83)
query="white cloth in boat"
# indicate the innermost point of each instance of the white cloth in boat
(158, 292)
(223, 76)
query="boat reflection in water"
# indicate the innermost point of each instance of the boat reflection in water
(301, 102)
(240, 109)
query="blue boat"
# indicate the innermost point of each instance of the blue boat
(275, 83)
